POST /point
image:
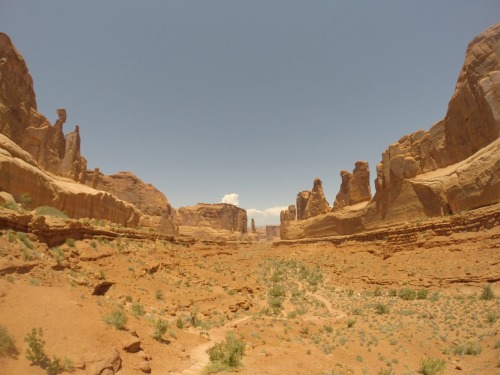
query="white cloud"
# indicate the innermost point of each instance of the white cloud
(273, 211)
(232, 198)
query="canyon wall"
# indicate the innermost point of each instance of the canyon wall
(45, 153)
(452, 167)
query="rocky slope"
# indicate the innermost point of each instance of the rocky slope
(452, 167)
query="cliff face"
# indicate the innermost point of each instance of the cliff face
(17, 97)
(217, 216)
(48, 149)
(19, 174)
(452, 167)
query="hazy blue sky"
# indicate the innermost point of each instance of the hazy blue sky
(254, 98)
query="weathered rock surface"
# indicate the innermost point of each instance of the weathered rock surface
(19, 174)
(355, 186)
(451, 168)
(290, 214)
(217, 216)
(51, 151)
(252, 226)
(301, 203)
(272, 232)
(17, 97)
(130, 188)
(317, 203)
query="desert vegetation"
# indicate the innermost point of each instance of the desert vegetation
(304, 308)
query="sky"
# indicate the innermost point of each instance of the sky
(243, 101)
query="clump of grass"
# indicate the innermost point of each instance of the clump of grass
(226, 355)
(422, 294)
(180, 323)
(160, 328)
(380, 308)
(468, 348)
(487, 293)
(58, 254)
(350, 323)
(276, 298)
(407, 294)
(70, 242)
(11, 206)
(159, 295)
(24, 239)
(7, 343)
(116, 318)
(432, 366)
(50, 211)
(138, 310)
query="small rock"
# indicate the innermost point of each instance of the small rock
(132, 345)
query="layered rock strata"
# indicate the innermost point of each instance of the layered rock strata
(452, 167)
(217, 216)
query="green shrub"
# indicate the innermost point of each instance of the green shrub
(117, 319)
(380, 308)
(226, 355)
(36, 351)
(22, 237)
(37, 356)
(393, 293)
(468, 348)
(25, 200)
(7, 343)
(388, 371)
(350, 323)
(10, 206)
(432, 366)
(58, 255)
(160, 328)
(487, 293)
(180, 323)
(159, 295)
(407, 294)
(11, 236)
(422, 294)
(377, 292)
(138, 310)
(70, 242)
(50, 211)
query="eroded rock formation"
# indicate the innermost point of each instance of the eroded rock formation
(19, 174)
(452, 167)
(355, 186)
(218, 216)
(17, 97)
(301, 203)
(252, 226)
(290, 214)
(272, 232)
(47, 149)
(317, 203)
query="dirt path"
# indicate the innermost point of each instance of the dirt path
(199, 355)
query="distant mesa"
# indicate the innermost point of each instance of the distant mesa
(222, 216)
(453, 167)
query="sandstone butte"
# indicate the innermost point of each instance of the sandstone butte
(450, 168)
(38, 159)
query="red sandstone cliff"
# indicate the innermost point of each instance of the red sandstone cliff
(452, 167)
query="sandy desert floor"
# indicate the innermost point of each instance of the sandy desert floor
(376, 307)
